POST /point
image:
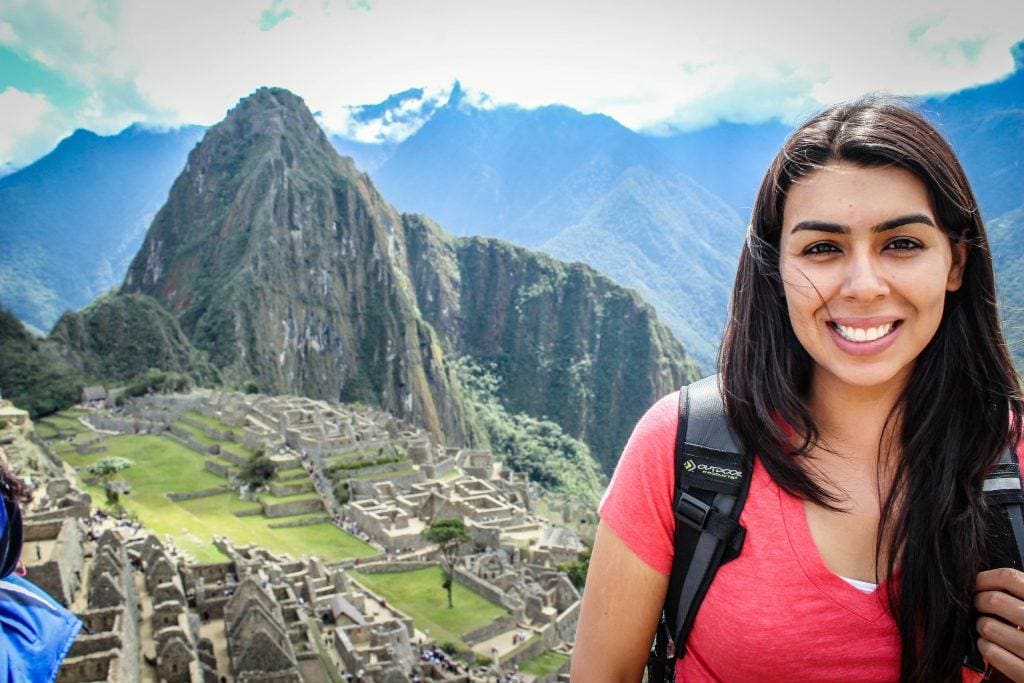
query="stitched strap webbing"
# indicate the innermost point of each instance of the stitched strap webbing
(712, 476)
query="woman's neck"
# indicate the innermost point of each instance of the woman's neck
(851, 419)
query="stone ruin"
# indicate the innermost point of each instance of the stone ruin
(260, 617)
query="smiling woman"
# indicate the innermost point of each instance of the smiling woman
(865, 271)
(864, 373)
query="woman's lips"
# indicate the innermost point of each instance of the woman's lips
(846, 335)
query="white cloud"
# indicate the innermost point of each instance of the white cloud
(648, 63)
(7, 34)
(25, 119)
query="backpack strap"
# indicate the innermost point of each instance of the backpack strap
(1004, 531)
(712, 478)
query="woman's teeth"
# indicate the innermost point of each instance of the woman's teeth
(860, 334)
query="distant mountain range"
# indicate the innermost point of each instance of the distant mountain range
(662, 215)
(71, 222)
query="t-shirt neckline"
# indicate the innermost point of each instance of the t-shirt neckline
(868, 606)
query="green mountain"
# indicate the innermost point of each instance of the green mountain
(30, 376)
(118, 338)
(285, 266)
(564, 341)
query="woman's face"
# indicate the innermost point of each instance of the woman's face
(866, 267)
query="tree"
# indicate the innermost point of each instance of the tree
(449, 535)
(257, 470)
(105, 469)
(577, 571)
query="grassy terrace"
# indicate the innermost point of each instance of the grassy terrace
(200, 436)
(544, 663)
(420, 594)
(271, 499)
(378, 475)
(162, 466)
(62, 422)
(214, 423)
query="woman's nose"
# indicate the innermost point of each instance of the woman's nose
(864, 279)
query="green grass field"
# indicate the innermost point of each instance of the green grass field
(544, 663)
(163, 466)
(420, 594)
(44, 430)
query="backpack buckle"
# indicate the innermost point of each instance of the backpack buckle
(693, 511)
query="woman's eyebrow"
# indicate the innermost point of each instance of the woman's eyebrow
(891, 224)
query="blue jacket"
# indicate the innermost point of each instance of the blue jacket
(35, 632)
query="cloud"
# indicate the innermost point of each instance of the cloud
(7, 34)
(650, 63)
(24, 119)
(271, 17)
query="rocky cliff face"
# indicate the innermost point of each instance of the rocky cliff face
(566, 342)
(284, 263)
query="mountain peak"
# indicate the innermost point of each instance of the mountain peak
(270, 106)
(1018, 55)
(457, 94)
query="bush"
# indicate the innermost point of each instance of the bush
(359, 464)
(341, 492)
(577, 571)
(257, 470)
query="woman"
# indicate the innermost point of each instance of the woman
(864, 366)
(35, 632)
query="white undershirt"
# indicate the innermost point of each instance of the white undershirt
(865, 586)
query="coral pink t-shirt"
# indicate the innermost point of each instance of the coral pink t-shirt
(774, 613)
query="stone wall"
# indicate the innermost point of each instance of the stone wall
(125, 425)
(102, 666)
(499, 625)
(290, 489)
(182, 436)
(296, 507)
(60, 574)
(439, 469)
(362, 489)
(220, 469)
(533, 647)
(482, 588)
(319, 519)
(565, 624)
(191, 495)
(41, 530)
(391, 567)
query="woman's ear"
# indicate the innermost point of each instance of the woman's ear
(960, 250)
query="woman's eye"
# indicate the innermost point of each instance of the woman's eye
(903, 244)
(821, 248)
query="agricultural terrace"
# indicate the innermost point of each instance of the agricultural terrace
(421, 595)
(166, 466)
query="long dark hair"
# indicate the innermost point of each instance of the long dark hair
(953, 416)
(13, 488)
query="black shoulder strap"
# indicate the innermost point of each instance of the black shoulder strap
(712, 477)
(1004, 534)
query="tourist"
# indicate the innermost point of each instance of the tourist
(864, 370)
(35, 631)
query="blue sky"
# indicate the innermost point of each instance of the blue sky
(103, 64)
